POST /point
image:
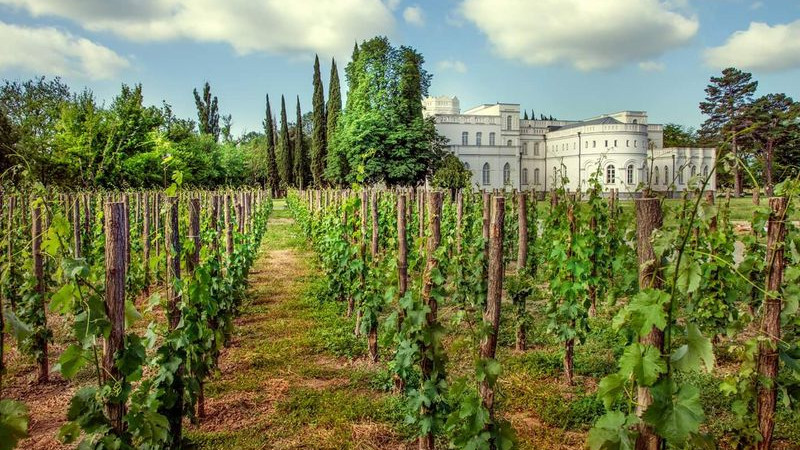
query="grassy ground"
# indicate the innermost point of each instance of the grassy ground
(279, 386)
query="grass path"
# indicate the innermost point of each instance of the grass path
(278, 387)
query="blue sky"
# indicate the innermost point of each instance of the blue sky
(567, 58)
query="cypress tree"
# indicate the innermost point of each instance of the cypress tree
(526, 115)
(332, 118)
(318, 140)
(207, 112)
(300, 157)
(273, 179)
(285, 156)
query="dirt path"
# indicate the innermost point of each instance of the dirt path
(278, 387)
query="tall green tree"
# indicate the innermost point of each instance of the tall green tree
(285, 159)
(207, 112)
(676, 135)
(334, 161)
(382, 133)
(774, 125)
(319, 143)
(727, 98)
(34, 107)
(273, 180)
(8, 140)
(301, 161)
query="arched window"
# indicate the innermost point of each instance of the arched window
(524, 175)
(635, 121)
(705, 171)
(555, 176)
(466, 165)
(506, 174)
(656, 175)
(629, 174)
(465, 138)
(486, 178)
(693, 171)
(478, 137)
(508, 123)
(491, 138)
(508, 144)
(666, 176)
(536, 149)
(680, 175)
(611, 174)
(536, 176)
(525, 148)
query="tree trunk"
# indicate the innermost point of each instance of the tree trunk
(115, 249)
(648, 219)
(771, 323)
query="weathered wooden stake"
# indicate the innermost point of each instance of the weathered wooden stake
(76, 227)
(38, 273)
(491, 315)
(648, 219)
(362, 252)
(228, 227)
(459, 219)
(115, 249)
(434, 238)
(522, 265)
(771, 323)
(175, 415)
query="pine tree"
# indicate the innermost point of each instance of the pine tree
(207, 112)
(273, 179)
(285, 149)
(318, 140)
(727, 98)
(300, 157)
(332, 118)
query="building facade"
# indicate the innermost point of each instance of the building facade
(504, 151)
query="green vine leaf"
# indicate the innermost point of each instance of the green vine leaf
(613, 431)
(696, 353)
(13, 423)
(675, 413)
(643, 362)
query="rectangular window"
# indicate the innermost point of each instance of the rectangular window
(594, 144)
(465, 138)
(615, 142)
(478, 137)
(536, 149)
(606, 143)
(491, 138)
(628, 143)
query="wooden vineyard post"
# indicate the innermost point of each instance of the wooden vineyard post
(459, 219)
(487, 217)
(193, 259)
(648, 219)
(372, 336)
(362, 253)
(756, 198)
(569, 345)
(146, 241)
(76, 226)
(228, 227)
(491, 315)
(173, 248)
(38, 273)
(522, 266)
(771, 323)
(402, 253)
(126, 201)
(434, 238)
(115, 249)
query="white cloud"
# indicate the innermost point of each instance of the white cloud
(393, 4)
(54, 52)
(452, 65)
(328, 27)
(588, 35)
(756, 5)
(760, 47)
(414, 15)
(651, 66)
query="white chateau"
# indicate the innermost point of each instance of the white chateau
(504, 151)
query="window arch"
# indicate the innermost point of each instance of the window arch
(705, 171)
(629, 174)
(478, 137)
(466, 165)
(611, 174)
(508, 123)
(465, 138)
(486, 177)
(680, 175)
(666, 175)
(536, 149)
(507, 174)
(509, 143)
(524, 175)
(656, 175)
(693, 171)
(491, 138)
(536, 176)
